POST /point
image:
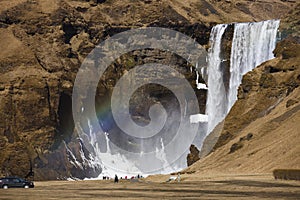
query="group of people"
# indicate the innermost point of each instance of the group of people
(116, 180)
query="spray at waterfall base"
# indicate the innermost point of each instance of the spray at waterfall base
(155, 154)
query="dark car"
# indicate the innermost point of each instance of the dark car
(15, 182)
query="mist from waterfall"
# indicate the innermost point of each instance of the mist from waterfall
(252, 44)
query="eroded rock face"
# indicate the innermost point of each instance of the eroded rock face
(44, 43)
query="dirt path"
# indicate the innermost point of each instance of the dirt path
(231, 187)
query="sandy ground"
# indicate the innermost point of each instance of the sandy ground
(219, 187)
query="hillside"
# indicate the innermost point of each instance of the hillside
(261, 132)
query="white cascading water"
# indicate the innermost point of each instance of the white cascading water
(162, 156)
(108, 156)
(215, 105)
(252, 44)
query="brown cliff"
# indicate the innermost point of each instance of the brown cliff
(43, 44)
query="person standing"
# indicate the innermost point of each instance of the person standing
(178, 177)
(116, 179)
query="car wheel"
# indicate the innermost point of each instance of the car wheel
(26, 186)
(5, 187)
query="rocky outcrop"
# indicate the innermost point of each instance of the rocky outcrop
(193, 156)
(270, 84)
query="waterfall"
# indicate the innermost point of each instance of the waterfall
(162, 157)
(107, 144)
(252, 44)
(215, 106)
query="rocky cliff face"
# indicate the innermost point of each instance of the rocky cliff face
(261, 133)
(43, 44)
(276, 80)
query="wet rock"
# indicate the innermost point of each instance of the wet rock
(193, 156)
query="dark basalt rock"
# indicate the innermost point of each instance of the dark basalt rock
(193, 156)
